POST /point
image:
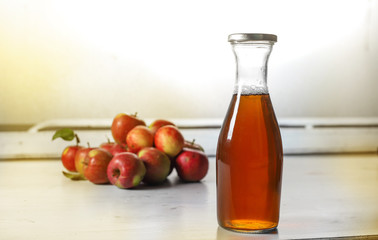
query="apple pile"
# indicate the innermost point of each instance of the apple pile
(138, 154)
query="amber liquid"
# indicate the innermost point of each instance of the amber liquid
(249, 166)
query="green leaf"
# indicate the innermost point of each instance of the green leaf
(65, 133)
(73, 176)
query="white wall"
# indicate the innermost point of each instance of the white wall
(171, 59)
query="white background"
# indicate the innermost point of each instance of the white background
(171, 59)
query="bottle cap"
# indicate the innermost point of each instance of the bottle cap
(247, 37)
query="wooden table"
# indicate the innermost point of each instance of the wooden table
(323, 196)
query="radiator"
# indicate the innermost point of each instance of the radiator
(299, 136)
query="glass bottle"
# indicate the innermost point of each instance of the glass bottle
(249, 152)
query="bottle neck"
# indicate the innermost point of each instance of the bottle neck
(251, 67)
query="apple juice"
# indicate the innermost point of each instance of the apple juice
(249, 165)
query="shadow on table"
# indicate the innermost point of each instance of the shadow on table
(168, 183)
(223, 234)
(143, 186)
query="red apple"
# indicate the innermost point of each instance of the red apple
(126, 170)
(80, 157)
(122, 124)
(68, 157)
(113, 148)
(193, 145)
(157, 165)
(139, 137)
(191, 165)
(169, 140)
(155, 125)
(96, 164)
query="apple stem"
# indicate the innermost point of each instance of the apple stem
(193, 141)
(116, 173)
(77, 139)
(135, 114)
(107, 138)
(88, 145)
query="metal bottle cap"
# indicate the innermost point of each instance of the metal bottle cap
(247, 37)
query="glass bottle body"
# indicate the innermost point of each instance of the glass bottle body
(249, 152)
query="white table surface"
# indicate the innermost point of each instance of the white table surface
(322, 196)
